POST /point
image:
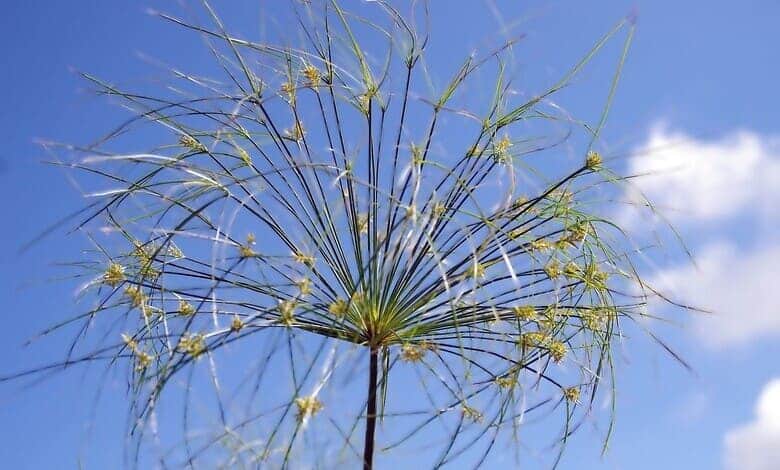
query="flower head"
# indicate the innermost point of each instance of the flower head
(287, 312)
(524, 312)
(593, 160)
(304, 259)
(471, 413)
(553, 269)
(185, 308)
(572, 394)
(312, 75)
(237, 324)
(339, 307)
(192, 344)
(114, 275)
(557, 351)
(136, 296)
(307, 407)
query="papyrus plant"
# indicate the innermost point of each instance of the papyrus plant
(335, 251)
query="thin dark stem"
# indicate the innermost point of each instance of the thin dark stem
(368, 447)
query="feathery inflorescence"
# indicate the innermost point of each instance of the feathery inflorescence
(314, 206)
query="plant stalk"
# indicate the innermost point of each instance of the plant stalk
(368, 442)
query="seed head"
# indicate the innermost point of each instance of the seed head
(185, 308)
(540, 245)
(191, 143)
(114, 275)
(304, 286)
(593, 160)
(571, 269)
(557, 351)
(244, 155)
(288, 88)
(136, 296)
(412, 353)
(236, 325)
(194, 344)
(572, 394)
(339, 307)
(312, 75)
(438, 209)
(553, 269)
(524, 312)
(143, 360)
(246, 251)
(507, 381)
(362, 224)
(501, 149)
(129, 342)
(305, 259)
(287, 312)
(533, 339)
(471, 413)
(592, 319)
(175, 252)
(307, 406)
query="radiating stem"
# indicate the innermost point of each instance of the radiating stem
(368, 447)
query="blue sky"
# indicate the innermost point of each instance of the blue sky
(698, 94)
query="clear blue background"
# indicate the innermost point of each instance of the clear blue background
(707, 67)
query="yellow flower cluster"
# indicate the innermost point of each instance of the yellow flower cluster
(571, 269)
(237, 324)
(191, 143)
(287, 312)
(312, 75)
(524, 312)
(557, 351)
(339, 307)
(304, 286)
(136, 296)
(412, 353)
(471, 413)
(438, 209)
(143, 359)
(532, 339)
(114, 275)
(553, 269)
(507, 381)
(540, 245)
(194, 345)
(296, 132)
(362, 224)
(288, 88)
(593, 160)
(501, 149)
(185, 308)
(305, 259)
(572, 394)
(307, 406)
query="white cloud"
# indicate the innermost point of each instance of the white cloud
(735, 286)
(726, 193)
(697, 181)
(756, 445)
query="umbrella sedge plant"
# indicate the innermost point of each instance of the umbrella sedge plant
(337, 259)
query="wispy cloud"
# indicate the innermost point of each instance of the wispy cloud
(732, 284)
(696, 181)
(726, 194)
(754, 446)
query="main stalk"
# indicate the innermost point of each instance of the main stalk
(373, 372)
